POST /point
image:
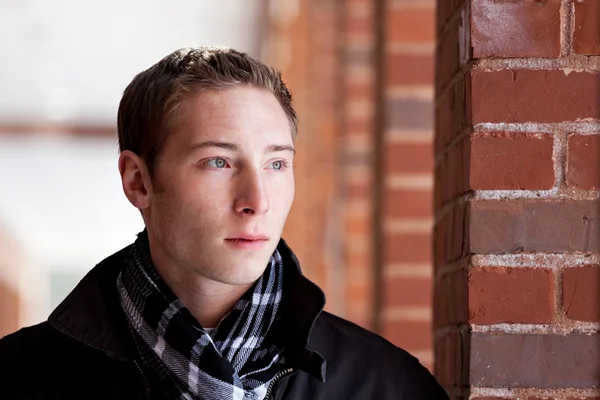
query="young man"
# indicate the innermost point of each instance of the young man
(209, 302)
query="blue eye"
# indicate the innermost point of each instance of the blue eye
(217, 163)
(279, 165)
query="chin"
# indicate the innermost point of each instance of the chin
(239, 273)
(239, 279)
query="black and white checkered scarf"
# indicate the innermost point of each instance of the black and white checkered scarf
(232, 362)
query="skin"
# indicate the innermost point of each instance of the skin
(225, 173)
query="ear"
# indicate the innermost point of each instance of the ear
(135, 179)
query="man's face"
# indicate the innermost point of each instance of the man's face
(223, 186)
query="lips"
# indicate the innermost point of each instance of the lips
(247, 242)
(249, 238)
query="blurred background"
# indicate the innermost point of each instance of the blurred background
(361, 72)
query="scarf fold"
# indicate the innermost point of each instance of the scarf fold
(237, 360)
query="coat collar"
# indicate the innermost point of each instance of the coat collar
(92, 313)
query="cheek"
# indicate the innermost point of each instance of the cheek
(183, 200)
(283, 194)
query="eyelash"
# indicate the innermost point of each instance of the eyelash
(284, 164)
(215, 159)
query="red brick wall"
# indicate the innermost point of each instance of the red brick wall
(362, 75)
(407, 175)
(291, 45)
(356, 167)
(517, 237)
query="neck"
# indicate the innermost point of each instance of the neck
(208, 301)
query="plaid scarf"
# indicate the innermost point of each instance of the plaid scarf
(237, 360)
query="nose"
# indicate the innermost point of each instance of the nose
(251, 194)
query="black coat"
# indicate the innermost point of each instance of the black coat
(84, 351)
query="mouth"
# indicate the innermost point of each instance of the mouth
(248, 242)
(249, 238)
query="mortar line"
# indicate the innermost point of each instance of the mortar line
(559, 155)
(535, 260)
(439, 157)
(566, 29)
(523, 393)
(461, 328)
(552, 194)
(566, 327)
(448, 206)
(574, 62)
(579, 127)
(559, 312)
(452, 266)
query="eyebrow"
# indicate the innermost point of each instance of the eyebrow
(274, 148)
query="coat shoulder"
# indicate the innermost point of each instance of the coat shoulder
(57, 365)
(348, 337)
(353, 352)
(34, 341)
(26, 353)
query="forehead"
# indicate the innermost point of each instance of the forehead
(244, 115)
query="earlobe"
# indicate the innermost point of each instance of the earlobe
(134, 179)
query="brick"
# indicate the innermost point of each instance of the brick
(359, 260)
(408, 157)
(583, 398)
(412, 25)
(535, 361)
(439, 184)
(403, 113)
(451, 240)
(358, 225)
(358, 125)
(358, 56)
(407, 248)
(358, 89)
(581, 293)
(455, 170)
(359, 24)
(458, 243)
(441, 238)
(512, 161)
(358, 292)
(407, 69)
(515, 29)
(511, 295)
(451, 359)
(452, 114)
(534, 95)
(489, 398)
(586, 34)
(408, 204)
(358, 190)
(534, 225)
(403, 291)
(408, 335)
(583, 161)
(448, 56)
(358, 311)
(444, 121)
(450, 299)
(446, 9)
(448, 51)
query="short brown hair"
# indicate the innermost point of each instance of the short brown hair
(148, 110)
